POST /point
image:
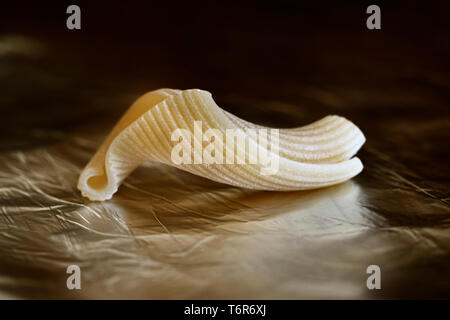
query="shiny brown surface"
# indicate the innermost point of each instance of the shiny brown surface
(169, 234)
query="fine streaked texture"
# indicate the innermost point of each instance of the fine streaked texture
(313, 156)
(169, 234)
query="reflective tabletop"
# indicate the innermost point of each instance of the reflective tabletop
(170, 234)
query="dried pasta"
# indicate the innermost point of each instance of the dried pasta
(313, 156)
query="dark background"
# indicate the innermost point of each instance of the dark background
(289, 51)
(283, 63)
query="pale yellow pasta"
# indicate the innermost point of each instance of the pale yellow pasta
(313, 156)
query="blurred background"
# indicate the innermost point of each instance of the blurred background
(314, 55)
(284, 64)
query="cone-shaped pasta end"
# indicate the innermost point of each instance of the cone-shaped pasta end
(95, 185)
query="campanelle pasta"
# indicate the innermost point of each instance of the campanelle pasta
(313, 156)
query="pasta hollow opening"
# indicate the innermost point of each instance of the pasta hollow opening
(97, 182)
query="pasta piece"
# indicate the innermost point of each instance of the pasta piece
(313, 156)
